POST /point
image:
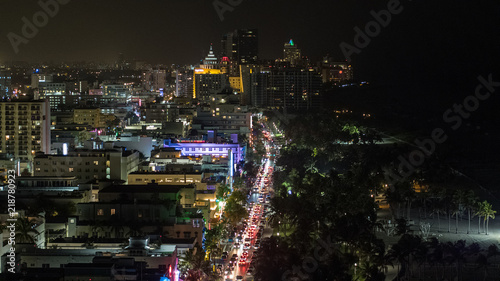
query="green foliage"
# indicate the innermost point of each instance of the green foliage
(234, 209)
(25, 230)
(222, 192)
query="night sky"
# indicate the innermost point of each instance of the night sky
(440, 45)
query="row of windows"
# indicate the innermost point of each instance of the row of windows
(168, 180)
(70, 170)
(204, 149)
(96, 163)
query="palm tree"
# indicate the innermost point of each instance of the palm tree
(470, 203)
(459, 199)
(488, 213)
(403, 251)
(438, 209)
(97, 228)
(24, 227)
(394, 197)
(479, 214)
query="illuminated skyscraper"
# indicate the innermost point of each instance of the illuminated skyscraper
(241, 47)
(291, 53)
(210, 61)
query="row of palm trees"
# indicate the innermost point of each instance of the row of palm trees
(437, 201)
(415, 257)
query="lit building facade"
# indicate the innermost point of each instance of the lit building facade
(154, 80)
(184, 83)
(333, 71)
(208, 82)
(216, 150)
(87, 165)
(24, 128)
(159, 113)
(114, 92)
(5, 84)
(288, 88)
(291, 53)
(241, 47)
(210, 61)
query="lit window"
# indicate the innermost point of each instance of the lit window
(70, 170)
(113, 211)
(96, 163)
(100, 212)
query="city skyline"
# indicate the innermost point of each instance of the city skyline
(418, 41)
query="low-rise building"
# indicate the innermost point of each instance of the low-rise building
(89, 164)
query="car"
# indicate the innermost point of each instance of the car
(249, 272)
(246, 246)
(239, 277)
(236, 245)
(244, 254)
(224, 257)
(232, 261)
(242, 261)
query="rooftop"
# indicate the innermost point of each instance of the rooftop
(149, 188)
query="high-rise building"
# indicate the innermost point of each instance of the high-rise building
(286, 88)
(334, 71)
(184, 83)
(24, 128)
(208, 82)
(210, 61)
(248, 46)
(154, 79)
(5, 83)
(241, 47)
(291, 53)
